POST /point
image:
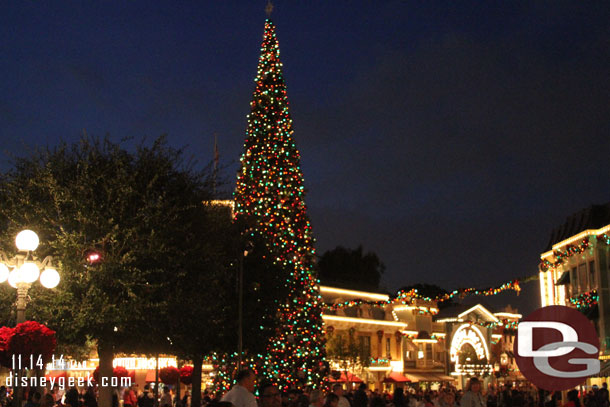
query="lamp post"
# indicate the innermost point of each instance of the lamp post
(240, 305)
(24, 269)
(21, 271)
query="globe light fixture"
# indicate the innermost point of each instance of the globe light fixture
(23, 269)
(27, 241)
(49, 278)
(29, 272)
(14, 277)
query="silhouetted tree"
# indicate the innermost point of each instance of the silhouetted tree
(351, 268)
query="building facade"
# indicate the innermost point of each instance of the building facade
(575, 268)
(384, 342)
(481, 343)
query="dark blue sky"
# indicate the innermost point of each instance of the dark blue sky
(448, 137)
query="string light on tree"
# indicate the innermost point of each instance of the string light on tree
(269, 198)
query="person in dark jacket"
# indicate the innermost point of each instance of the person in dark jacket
(89, 398)
(360, 398)
(399, 398)
(72, 397)
(147, 398)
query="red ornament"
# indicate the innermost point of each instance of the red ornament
(169, 375)
(186, 374)
(31, 338)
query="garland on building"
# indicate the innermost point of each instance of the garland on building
(561, 256)
(409, 297)
(463, 292)
(270, 200)
(505, 323)
(585, 301)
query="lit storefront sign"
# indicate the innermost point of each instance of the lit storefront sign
(143, 363)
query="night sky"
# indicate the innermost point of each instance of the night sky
(448, 137)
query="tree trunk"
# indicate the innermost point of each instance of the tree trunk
(178, 399)
(106, 355)
(157, 381)
(196, 382)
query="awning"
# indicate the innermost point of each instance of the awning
(349, 378)
(427, 377)
(445, 378)
(396, 377)
(564, 279)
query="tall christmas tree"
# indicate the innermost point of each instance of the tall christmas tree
(269, 197)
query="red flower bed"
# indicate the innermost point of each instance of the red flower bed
(5, 336)
(30, 338)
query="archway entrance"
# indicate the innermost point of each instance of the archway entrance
(469, 352)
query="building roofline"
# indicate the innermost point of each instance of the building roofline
(354, 293)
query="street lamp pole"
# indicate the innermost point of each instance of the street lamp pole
(240, 312)
(21, 271)
(22, 296)
(240, 305)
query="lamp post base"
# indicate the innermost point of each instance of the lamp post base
(22, 299)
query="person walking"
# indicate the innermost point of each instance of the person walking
(572, 399)
(399, 398)
(147, 398)
(447, 399)
(316, 398)
(241, 394)
(603, 395)
(89, 398)
(360, 397)
(129, 396)
(166, 398)
(338, 391)
(473, 397)
(269, 395)
(332, 400)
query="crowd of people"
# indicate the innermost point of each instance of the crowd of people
(242, 394)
